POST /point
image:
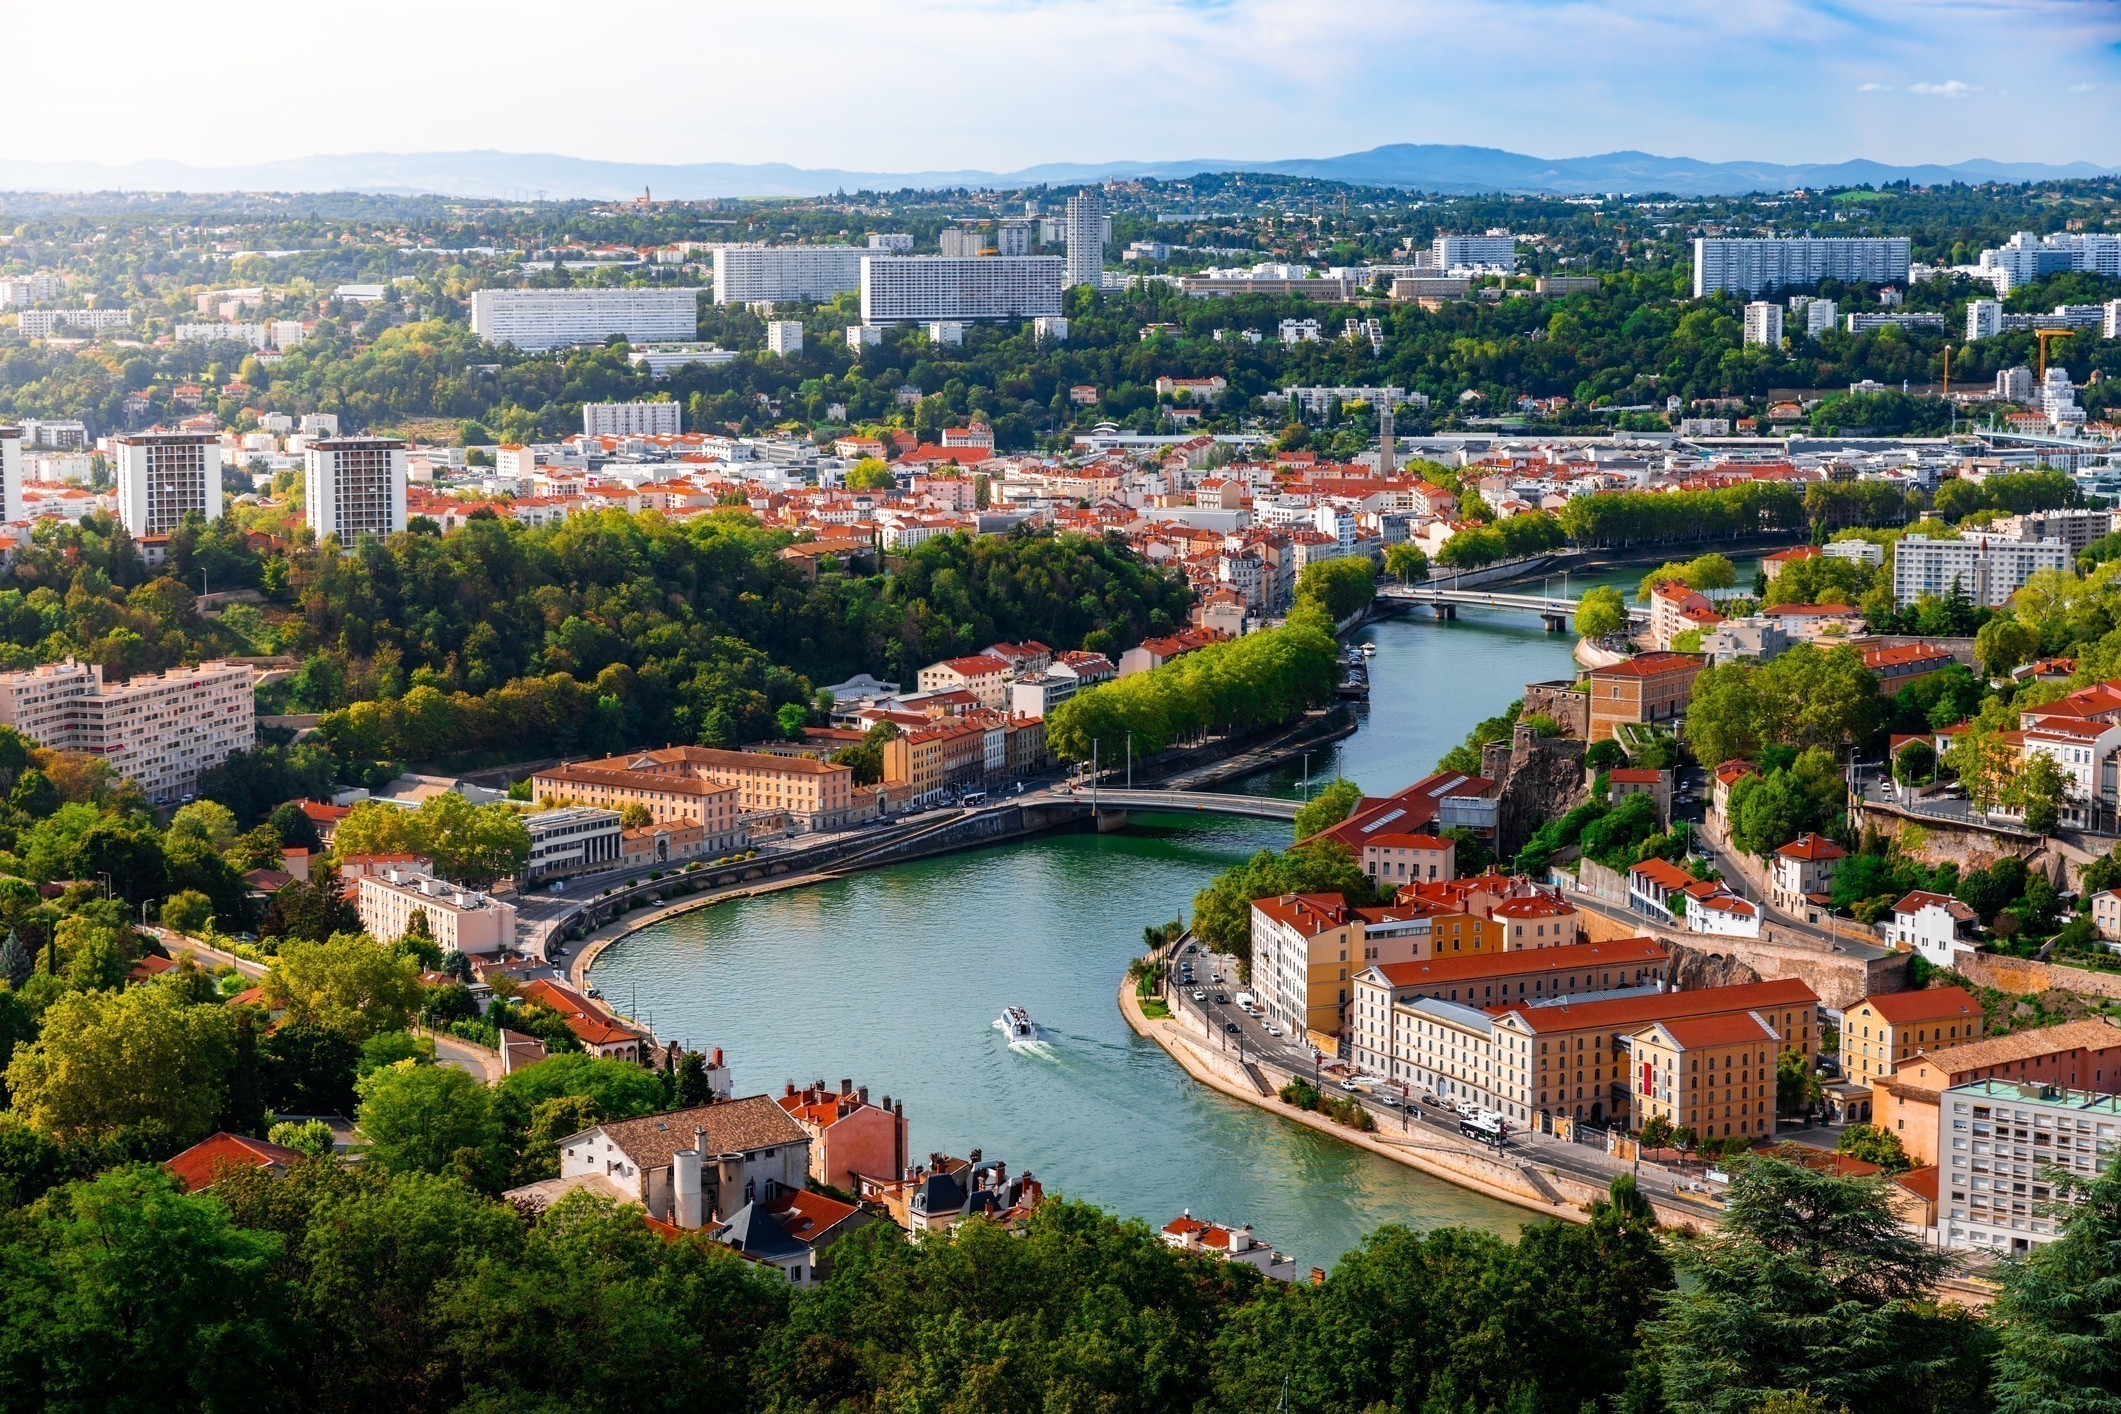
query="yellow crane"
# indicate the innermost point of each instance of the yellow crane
(2045, 336)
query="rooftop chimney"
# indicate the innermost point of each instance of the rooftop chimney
(845, 1086)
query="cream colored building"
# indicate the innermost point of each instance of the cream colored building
(1880, 1032)
(1714, 1075)
(675, 800)
(157, 729)
(813, 794)
(461, 920)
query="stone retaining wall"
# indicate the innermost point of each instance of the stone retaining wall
(2026, 977)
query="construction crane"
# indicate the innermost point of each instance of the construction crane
(2044, 336)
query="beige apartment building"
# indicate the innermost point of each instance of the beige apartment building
(815, 795)
(1714, 1075)
(461, 920)
(1880, 1032)
(157, 729)
(676, 800)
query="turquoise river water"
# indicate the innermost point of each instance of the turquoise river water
(893, 978)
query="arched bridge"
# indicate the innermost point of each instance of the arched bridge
(1556, 612)
(1207, 802)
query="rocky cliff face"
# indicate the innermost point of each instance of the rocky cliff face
(1540, 777)
(1690, 971)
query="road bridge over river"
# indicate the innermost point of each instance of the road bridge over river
(1556, 612)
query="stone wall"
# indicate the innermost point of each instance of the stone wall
(1607, 885)
(1564, 701)
(1841, 979)
(2025, 977)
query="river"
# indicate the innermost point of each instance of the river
(893, 977)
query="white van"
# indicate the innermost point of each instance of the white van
(1245, 1001)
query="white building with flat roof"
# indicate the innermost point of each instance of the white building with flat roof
(1987, 569)
(2001, 1145)
(158, 729)
(1763, 324)
(1495, 250)
(920, 289)
(1753, 265)
(1084, 228)
(772, 273)
(663, 418)
(571, 839)
(353, 486)
(162, 475)
(10, 473)
(662, 360)
(460, 919)
(552, 319)
(784, 336)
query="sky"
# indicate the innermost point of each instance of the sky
(898, 85)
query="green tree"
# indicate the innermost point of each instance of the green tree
(1915, 763)
(1601, 613)
(349, 984)
(125, 1292)
(2059, 1314)
(2040, 790)
(1409, 564)
(310, 1136)
(141, 1060)
(1809, 1283)
(869, 474)
(421, 1118)
(189, 912)
(1874, 1146)
(1335, 801)
(2002, 644)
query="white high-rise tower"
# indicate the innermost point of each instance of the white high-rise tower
(1084, 224)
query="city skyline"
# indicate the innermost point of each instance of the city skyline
(1251, 80)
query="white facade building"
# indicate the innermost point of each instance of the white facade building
(2025, 257)
(552, 319)
(773, 273)
(1751, 266)
(1083, 227)
(661, 418)
(43, 323)
(1984, 319)
(162, 475)
(2000, 1147)
(918, 289)
(460, 919)
(1988, 569)
(1496, 250)
(1819, 316)
(571, 839)
(1864, 323)
(354, 486)
(158, 729)
(1763, 324)
(661, 360)
(10, 473)
(784, 336)
(258, 336)
(1932, 925)
(891, 243)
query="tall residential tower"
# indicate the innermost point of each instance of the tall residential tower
(354, 485)
(1084, 226)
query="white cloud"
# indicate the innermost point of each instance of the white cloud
(1874, 88)
(2083, 88)
(1950, 88)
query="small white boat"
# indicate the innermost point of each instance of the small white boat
(1368, 649)
(1016, 1024)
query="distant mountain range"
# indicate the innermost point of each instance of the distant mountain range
(1417, 166)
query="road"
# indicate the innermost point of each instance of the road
(1280, 1057)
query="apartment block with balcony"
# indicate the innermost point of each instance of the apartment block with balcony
(157, 729)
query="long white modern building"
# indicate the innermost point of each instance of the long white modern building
(162, 475)
(43, 323)
(1495, 250)
(2025, 257)
(747, 273)
(916, 289)
(1987, 569)
(353, 486)
(2001, 1144)
(636, 419)
(552, 319)
(1751, 266)
(159, 729)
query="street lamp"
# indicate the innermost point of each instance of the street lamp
(105, 877)
(1307, 775)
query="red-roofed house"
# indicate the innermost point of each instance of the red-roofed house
(1624, 781)
(1403, 858)
(1772, 564)
(850, 1139)
(1649, 687)
(1905, 664)
(1880, 1032)
(1801, 874)
(1231, 1244)
(599, 1034)
(983, 674)
(1935, 925)
(201, 1166)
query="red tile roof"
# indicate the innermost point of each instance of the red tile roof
(1648, 665)
(1810, 846)
(1928, 1004)
(1481, 967)
(200, 1166)
(1620, 1012)
(1690, 1033)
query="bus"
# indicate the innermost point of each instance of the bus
(974, 798)
(1486, 1127)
